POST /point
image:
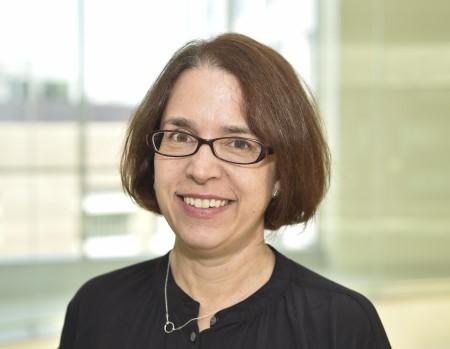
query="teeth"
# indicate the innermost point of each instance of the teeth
(204, 203)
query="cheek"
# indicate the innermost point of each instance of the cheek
(257, 188)
(168, 172)
(157, 175)
(162, 177)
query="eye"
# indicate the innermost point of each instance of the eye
(242, 145)
(181, 137)
(239, 143)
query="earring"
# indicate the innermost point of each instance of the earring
(275, 193)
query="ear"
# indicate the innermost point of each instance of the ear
(276, 189)
(276, 185)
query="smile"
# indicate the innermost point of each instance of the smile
(205, 203)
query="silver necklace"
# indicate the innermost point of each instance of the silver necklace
(169, 326)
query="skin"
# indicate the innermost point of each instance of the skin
(220, 256)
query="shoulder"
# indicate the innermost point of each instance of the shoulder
(119, 284)
(321, 289)
(109, 300)
(349, 315)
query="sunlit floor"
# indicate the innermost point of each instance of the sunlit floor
(41, 343)
(411, 323)
(417, 323)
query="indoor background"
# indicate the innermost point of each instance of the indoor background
(73, 71)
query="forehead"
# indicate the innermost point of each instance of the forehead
(206, 97)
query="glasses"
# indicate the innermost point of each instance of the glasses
(236, 150)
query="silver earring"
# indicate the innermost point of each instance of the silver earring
(275, 193)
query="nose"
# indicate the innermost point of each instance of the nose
(203, 165)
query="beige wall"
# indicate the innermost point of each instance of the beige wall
(391, 201)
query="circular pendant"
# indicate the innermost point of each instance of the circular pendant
(169, 327)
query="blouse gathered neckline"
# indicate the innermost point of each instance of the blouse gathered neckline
(295, 308)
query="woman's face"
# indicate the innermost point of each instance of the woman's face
(207, 102)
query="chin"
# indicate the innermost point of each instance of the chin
(201, 240)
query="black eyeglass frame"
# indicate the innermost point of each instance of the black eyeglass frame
(265, 150)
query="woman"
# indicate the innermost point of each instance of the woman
(225, 144)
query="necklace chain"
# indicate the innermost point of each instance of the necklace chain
(169, 326)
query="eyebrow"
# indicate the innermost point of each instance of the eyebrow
(180, 121)
(237, 130)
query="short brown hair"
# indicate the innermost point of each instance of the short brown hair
(280, 111)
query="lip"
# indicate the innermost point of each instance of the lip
(204, 196)
(202, 213)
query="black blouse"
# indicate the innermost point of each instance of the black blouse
(296, 308)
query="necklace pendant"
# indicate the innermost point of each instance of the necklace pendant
(169, 327)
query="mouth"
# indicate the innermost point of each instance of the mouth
(201, 202)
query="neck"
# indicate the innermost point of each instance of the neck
(218, 282)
